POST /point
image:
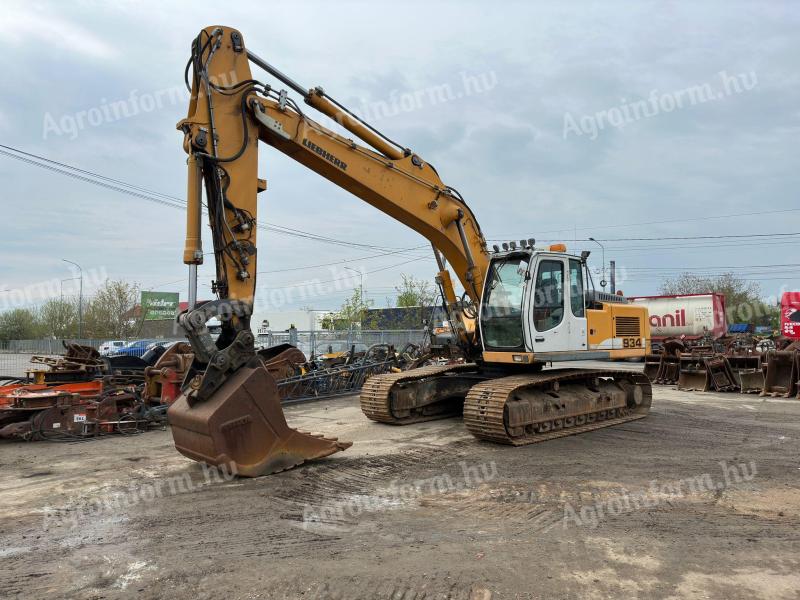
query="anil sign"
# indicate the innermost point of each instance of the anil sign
(690, 316)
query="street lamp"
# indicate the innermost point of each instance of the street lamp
(361, 285)
(603, 280)
(80, 298)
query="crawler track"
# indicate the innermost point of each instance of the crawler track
(526, 409)
(376, 395)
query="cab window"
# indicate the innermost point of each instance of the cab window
(548, 308)
(502, 306)
(576, 288)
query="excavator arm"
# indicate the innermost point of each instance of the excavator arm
(229, 412)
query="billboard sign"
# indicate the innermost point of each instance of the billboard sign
(790, 315)
(159, 306)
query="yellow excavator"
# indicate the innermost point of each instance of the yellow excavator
(523, 306)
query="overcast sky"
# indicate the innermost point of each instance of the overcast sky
(577, 120)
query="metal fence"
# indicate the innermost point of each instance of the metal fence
(15, 355)
(319, 342)
(328, 383)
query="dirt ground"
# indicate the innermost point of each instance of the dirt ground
(699, 500)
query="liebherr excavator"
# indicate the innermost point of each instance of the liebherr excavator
(522, 307)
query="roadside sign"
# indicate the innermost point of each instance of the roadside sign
(159, 306)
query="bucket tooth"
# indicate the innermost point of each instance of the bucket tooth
(242, 427)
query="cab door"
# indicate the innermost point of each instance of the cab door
(548, 310)
(577, 306)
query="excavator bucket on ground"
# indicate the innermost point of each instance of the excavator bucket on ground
(693, 374)
(780, 379)
(241, 427)
(652, 366)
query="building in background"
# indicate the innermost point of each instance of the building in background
(275, 321)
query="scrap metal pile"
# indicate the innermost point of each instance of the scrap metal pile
(738, 364)
(82, 395)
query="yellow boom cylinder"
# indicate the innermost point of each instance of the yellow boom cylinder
(328, 108)
(193, 249)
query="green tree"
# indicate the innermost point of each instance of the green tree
(743, 300)
(352, 311)
(329, 321)
(414, 292)
(110, 313)
(59, 318)
(19, 324)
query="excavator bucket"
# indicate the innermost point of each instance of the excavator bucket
(780, 379)
(242, 427)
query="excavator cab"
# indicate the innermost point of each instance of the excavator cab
(539, 305)
(534, 301)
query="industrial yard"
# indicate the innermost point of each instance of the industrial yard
(418, 301)
(375, 523)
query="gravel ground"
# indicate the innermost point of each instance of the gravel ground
(699, 500)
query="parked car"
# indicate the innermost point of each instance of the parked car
(137, 348)
(110, 347)
(156, 349)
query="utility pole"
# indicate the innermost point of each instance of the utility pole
(603, 280)
(80, 298)
(612, 267)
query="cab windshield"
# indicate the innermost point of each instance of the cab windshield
(501, 316)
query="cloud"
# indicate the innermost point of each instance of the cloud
(22, 27)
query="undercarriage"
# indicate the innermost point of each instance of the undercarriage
(514, 409)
